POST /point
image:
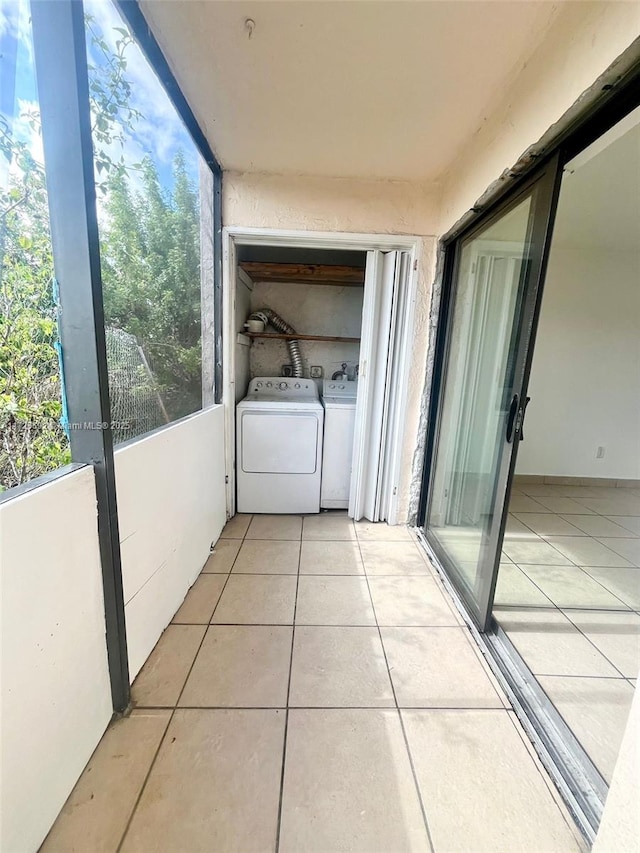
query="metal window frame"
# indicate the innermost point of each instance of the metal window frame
(579, 782)
(63, 89)
(140, 29)
(544, 183)
(614, 95)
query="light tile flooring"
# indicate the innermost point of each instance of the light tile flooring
(568, 596)
(316, 691)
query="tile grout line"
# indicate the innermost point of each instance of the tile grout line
(580, 609)
(615, 595)
(333, 707)
(551, 606)
(146, 779)
(314, 624)
(173, 711)
(554, 606)
(286, 713)
(553, 790)
(574, 675)
(568, 610)
(589, 510)
(582, 569)
(400, 719)
(589, 640)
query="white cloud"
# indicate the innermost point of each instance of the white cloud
(160, 132)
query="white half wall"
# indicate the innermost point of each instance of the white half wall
(585, 378)
(171, 507)
(56, 697)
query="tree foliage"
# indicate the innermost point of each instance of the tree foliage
(149, 238)
(31, 438)
(150, 264)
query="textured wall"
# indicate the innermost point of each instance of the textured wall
(329, 204)
(56, 698)
(585, 39)
(171, 507)
(312, 310)
(368, 207)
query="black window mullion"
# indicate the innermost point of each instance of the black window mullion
(61, 72)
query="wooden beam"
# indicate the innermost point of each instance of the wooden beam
(337, 276)
(281, 337)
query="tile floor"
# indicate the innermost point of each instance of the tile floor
(316, 691)
(568, 596)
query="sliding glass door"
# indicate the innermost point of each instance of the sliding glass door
(491, 301)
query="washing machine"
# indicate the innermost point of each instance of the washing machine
(339, 401)
(279, 427)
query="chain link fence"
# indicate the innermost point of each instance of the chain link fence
(136, 402)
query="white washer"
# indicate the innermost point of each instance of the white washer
(279, 443)
(339, 401)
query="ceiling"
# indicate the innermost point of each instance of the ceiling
(599, 204)
(355, 88)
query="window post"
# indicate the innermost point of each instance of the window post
(61, 71)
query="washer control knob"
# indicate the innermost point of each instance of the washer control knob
(332, 387)
(297, 385)
(269, 384)
(341, 387)
(258, 384)
(282, 386)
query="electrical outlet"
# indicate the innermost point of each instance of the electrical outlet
(600, 452)
(315, 372)
(287, 370)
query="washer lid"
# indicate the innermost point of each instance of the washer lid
(339, 402)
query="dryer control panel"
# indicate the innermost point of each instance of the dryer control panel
(343, 388)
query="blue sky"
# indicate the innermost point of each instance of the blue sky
(159, 134)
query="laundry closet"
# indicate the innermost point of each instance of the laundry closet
(298, 318)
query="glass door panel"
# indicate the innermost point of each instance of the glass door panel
(492, 304)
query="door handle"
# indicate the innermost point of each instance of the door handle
(513, 411)
(515, 419)
(523, 410)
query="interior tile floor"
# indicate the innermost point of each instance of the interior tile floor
(317, 691)
(568, 596)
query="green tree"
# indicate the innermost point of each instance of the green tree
(151, 278)
(31, 438)
(150, 268)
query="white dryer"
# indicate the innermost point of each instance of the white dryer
(339, 401)
(279, 427)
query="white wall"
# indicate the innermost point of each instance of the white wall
(366, 207)
(620, 825)
(585, 39)
(171, 507)
(329, 204)
(56, 699)
(585, 379)
(311, 309)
